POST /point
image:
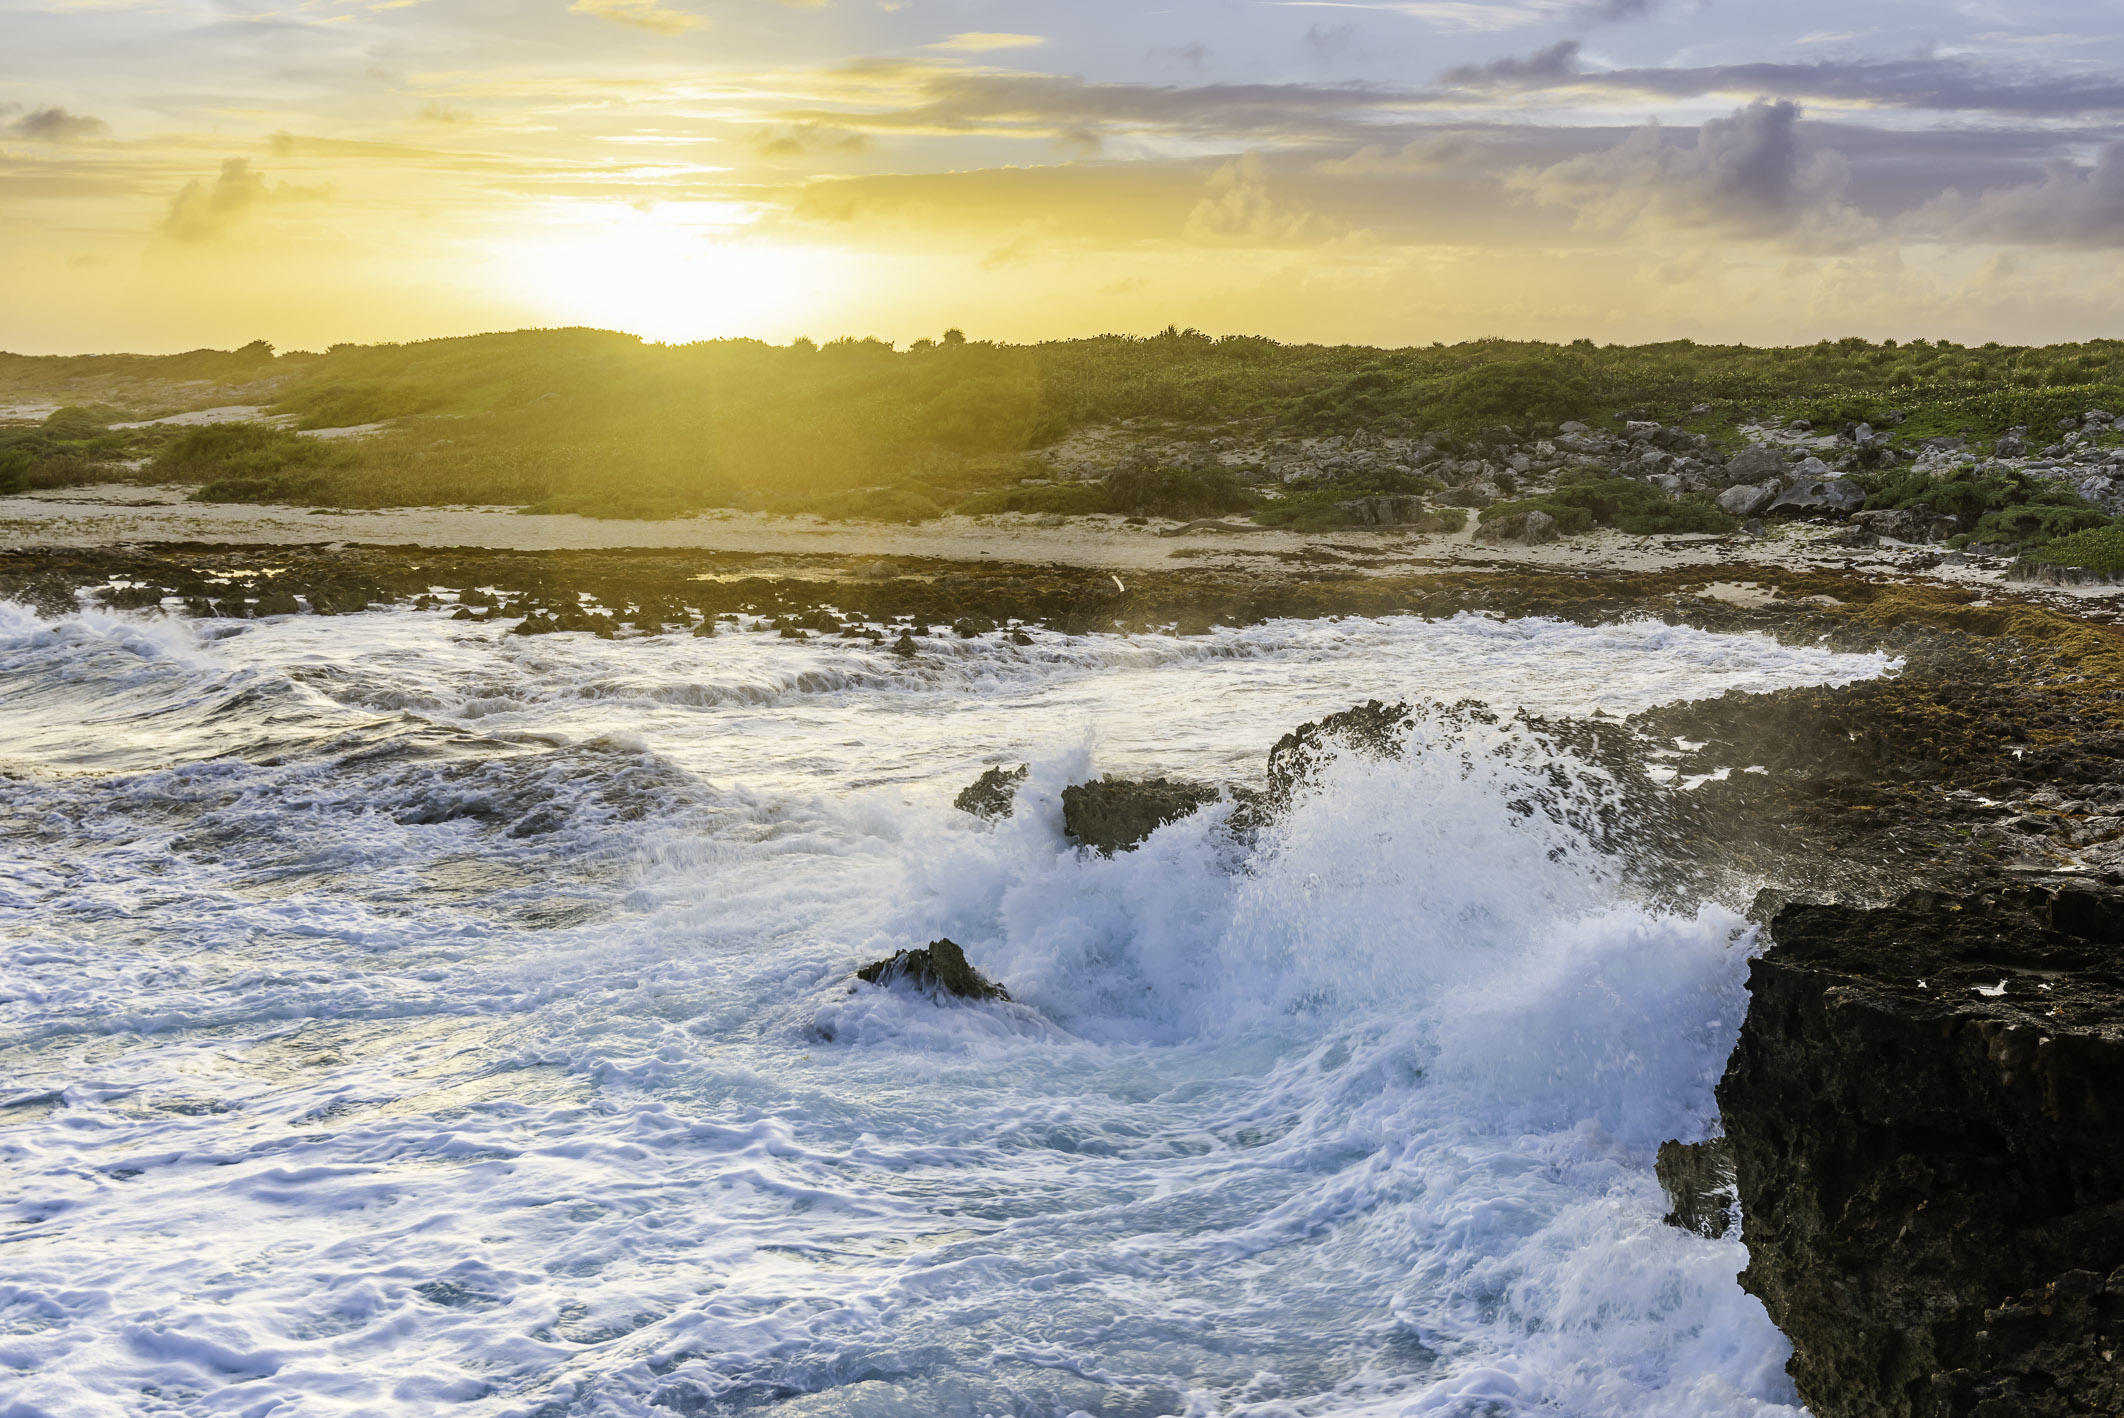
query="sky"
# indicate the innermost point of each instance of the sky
(186, 173)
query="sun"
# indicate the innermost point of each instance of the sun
(672, 271)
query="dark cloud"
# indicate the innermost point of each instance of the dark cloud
(946, 99)
(1557, 62)
(56, 125)
(1949, 85)
(2069, 205)
(1617, 11)
(1749, 173)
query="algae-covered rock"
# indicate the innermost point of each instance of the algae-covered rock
(1114, 814)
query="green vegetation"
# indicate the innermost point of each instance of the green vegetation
(1183, 493)
(1999, 508)
(600, 423)
(73, 446)
(1622, 504)
(248, 462)
(2098, 549)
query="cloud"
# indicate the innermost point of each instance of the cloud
(987, 41)
(1493, 16)
(1419, 155)
(641, 14)
(942, 98)
(1953, 84)
(1240, 208)
(203, 211)
(56, 125)
(1558, 61)
(1749, 173)
(2071, 205)
(1327, 43)
(801, 139)
(1194, 56)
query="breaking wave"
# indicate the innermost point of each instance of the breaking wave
(400, 1018)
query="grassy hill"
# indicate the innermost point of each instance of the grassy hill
(593, 421)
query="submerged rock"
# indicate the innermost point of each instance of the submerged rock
(993, 794)
(939, 968)
(1928, 1146)
(1698, 1180)
(1115, 814)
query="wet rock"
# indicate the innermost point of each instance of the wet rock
(939, 968)
(1115, 814)
(1929, 1152)
(1372, 728)
(1698, 1180)
(277, 602)
(905, 646)
(2046, 1353)
(993, 794)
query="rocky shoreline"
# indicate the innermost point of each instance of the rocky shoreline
(1926, 1132)
(1921, 1125)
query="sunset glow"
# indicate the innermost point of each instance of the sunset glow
(172, 174)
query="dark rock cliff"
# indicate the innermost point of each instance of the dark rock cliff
(1926, 1116)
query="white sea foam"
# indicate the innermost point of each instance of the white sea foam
(404, 1018)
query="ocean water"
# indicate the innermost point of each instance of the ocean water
(399, 1017)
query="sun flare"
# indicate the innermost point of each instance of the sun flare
(672, 272)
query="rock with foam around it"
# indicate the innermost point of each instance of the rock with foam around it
(939, 968)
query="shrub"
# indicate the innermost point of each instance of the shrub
(2099, 549)
(1999, 506)
(1067, 499)
(1623, 504)
(1518, 392)
(248, 462)
(1176, 492)
(2032, 525)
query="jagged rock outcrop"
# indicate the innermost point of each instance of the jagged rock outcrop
(939, 968)
(1698, 1180)
(1370, 728)
(993, 794)
(1114, 814)
(1926, 1111)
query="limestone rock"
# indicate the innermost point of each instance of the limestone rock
(993, 794)
(1115, 814)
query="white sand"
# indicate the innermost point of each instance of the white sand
(118, 513)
